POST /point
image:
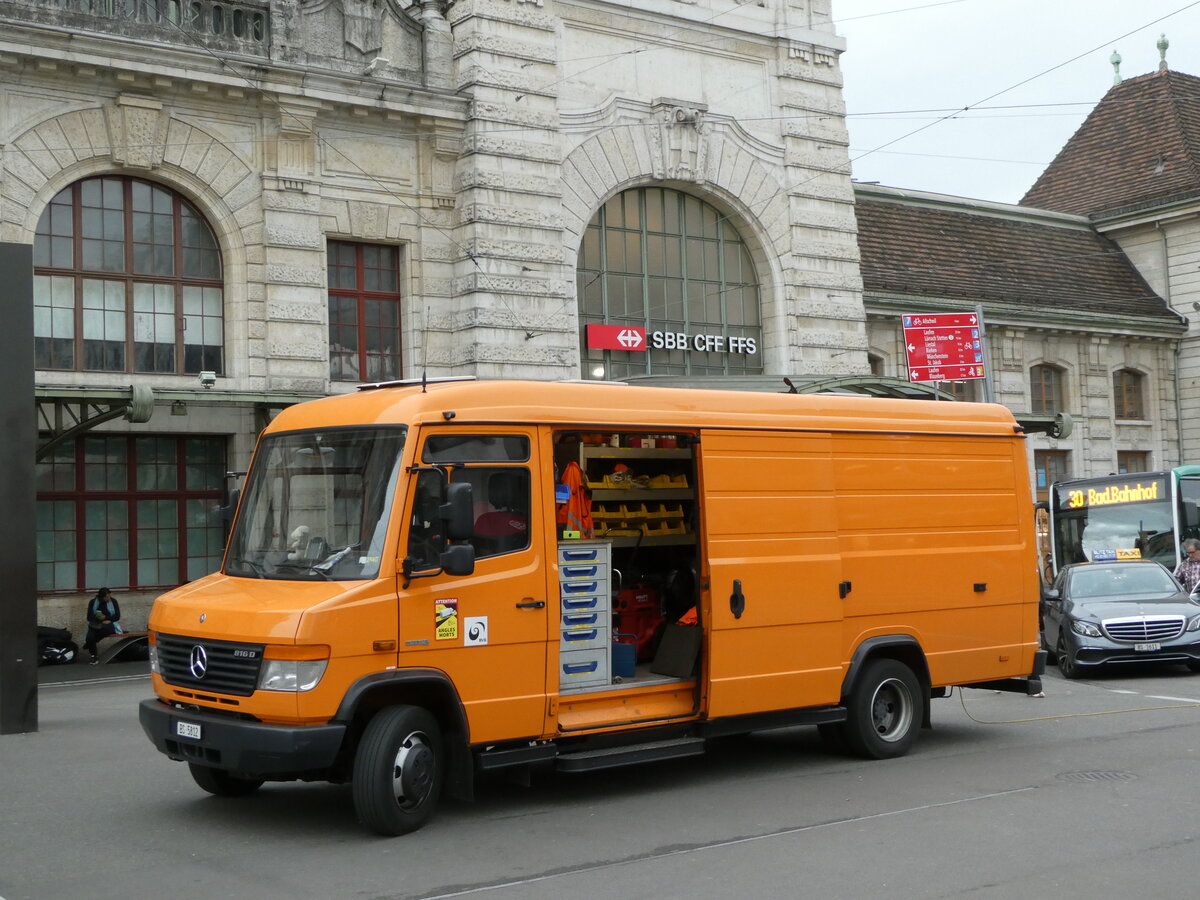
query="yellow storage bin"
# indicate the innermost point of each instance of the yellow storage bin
(608, 484)
(617, 529)
(605, 513)
(667, 482)
(633, 511)
(664, 510)
(664, 527)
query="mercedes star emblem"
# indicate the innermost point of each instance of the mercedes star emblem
(199, 662)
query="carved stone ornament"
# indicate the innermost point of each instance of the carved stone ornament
(137, 132)
(680, 143)
(808, 53)
(363, 24)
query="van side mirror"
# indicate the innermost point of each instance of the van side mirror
(458, 512)
(458, 559)
(226, 512)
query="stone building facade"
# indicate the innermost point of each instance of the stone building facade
(240, 204)
(1072, 325)
(1132, 169)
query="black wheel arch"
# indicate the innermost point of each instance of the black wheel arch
(901, 647)
(430, 689)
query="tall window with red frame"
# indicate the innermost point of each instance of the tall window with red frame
(364, 312)
(129, 511)
(127, 278)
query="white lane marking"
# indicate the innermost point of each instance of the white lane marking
(715, 845)
(110, 680)
(1174, 699)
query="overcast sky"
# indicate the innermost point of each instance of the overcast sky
(989, 56)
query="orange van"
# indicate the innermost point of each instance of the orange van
(425, 582)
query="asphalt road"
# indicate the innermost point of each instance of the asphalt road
(1090, 791)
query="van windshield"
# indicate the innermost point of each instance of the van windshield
(317, 505)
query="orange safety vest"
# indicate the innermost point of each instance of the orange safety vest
(576, 513)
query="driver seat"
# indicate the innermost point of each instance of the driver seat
(505, 527)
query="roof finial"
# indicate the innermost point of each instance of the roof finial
(1163, 44)
(1115, 59)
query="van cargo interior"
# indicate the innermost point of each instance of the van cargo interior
(630, 590)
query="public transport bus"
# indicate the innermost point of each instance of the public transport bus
(1131, 515)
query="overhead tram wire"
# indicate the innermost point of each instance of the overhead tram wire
(847, 169)
(899, 114)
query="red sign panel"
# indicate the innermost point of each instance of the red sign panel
(616, 337)
(943, 347)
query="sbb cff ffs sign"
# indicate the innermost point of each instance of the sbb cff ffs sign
(943, 347)
(616, 337)
(629, 337)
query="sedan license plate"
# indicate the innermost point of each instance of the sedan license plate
(188, 730)
(1146, 648)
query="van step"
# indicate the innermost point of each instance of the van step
(614, 757)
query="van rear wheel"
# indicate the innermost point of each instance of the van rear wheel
(398, 770)
(884, 711)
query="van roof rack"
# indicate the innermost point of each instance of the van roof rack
(412, 382)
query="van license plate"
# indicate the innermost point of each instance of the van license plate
(188, 730)
(1143, 648)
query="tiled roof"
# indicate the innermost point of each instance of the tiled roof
(911, 249)
(1139, 147)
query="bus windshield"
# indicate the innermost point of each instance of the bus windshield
(317, 505)
(1123, 516)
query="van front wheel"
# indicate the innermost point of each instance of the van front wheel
(398, 770)
(884, 711)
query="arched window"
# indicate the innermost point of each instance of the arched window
(668, 276)
(127, 278)
(1045, 390)
(1127, 394)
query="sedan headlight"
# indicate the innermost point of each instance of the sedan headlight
(1087, 629)
(1193, 623)
(291, 674)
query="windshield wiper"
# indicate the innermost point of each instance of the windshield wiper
(326, 565)
(257, 570)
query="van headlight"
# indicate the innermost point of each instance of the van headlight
(291, 674)
(292, 667)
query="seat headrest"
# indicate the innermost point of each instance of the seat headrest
(505, 489)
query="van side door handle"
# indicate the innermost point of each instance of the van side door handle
(531, 604)
(737, 600)
(844, 588)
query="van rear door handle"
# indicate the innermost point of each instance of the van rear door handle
(531, 604)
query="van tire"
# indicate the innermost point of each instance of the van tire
(220, 783)
(398, 770)
(883, 710)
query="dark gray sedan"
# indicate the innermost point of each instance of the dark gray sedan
(1107, 613)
